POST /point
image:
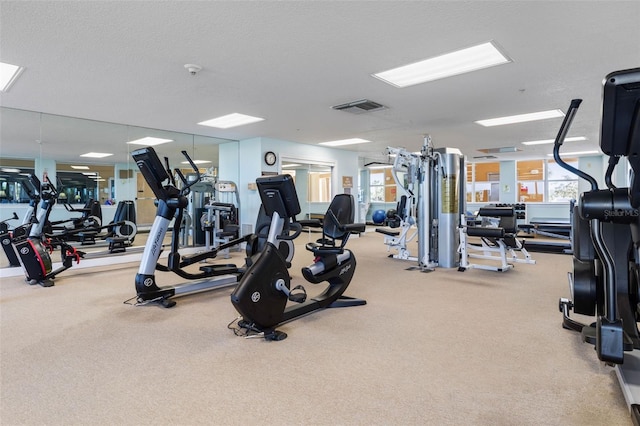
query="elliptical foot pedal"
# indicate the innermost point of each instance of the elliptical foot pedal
(589, 336)
(167, 303)
(117, 244)
(213, 270)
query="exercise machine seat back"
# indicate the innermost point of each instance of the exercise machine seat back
(339, 213)
(506, 226)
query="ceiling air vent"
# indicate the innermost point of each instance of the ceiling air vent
(360, 107)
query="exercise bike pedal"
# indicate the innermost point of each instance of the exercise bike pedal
(299, 297)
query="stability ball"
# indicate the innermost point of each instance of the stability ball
(378, 216)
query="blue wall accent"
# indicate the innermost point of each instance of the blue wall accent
(508, 182)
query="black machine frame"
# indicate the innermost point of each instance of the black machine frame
(606, 239)
(33, 247)
(171, 204)
(263, 293)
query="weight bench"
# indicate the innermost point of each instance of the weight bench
(498, 243)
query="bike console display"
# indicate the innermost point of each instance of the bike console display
(152, 169)
(278, 194)
(620, 133)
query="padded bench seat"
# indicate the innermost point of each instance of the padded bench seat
(387, 232)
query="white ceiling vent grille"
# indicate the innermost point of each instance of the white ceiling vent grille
(360, 107)
(503, 150)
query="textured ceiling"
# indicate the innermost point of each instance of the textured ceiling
(290, 61)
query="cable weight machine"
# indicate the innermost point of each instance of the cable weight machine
(435, 175)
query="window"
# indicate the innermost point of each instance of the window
(537, 181)
(530, 181)
(382, 186)
(469, 182)
(563, 185)
(540, 180)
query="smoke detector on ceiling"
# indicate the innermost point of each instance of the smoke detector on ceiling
(193, 68)
(360, 107)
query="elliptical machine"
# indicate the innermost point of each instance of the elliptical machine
(5, 241)
(7, 235)
(33, 250)
(172, 202)
(263, 291)
(606, 239)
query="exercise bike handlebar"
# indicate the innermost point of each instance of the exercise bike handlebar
(562, 134)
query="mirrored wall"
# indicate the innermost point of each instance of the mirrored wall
(54, 145)
(313, 184)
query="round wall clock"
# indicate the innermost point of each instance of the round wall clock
(270, 158)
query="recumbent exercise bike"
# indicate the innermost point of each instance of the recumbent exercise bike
(265, 288)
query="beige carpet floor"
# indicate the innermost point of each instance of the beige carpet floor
(439, 348)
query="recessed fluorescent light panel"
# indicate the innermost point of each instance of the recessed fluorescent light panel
(342, 142)
(197, 162)
(95, 155)
(577, 153)
(149, 141)
(290, 165)
(548, 141)
(10, 170)
(521, 118)
(8, 75)
(230, 120)
(80, 167)
(458, 62)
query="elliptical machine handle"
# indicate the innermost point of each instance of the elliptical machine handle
(167, 167)
(568, 119)
(185, 190)
(562, 134)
